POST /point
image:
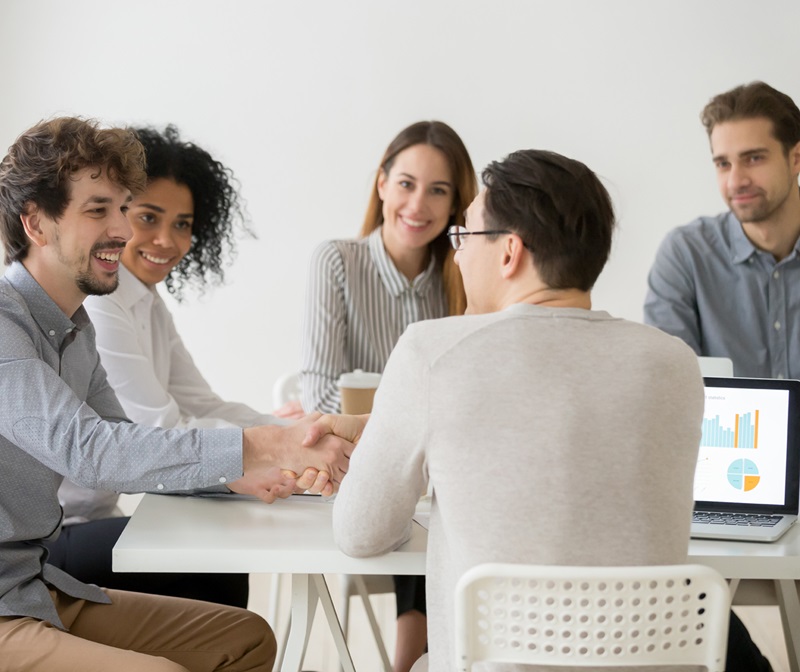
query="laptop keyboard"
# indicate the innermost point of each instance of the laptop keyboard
(740, 519)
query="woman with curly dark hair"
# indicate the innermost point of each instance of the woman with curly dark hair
(183, 229)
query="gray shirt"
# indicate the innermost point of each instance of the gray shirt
(357, 305)
(711, 287)
(61, 418)
(542, 431)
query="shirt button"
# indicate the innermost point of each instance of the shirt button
(777, 325)
(776, 274)
(750, 260)
(52, 332)
(222, 479)
(160, 486)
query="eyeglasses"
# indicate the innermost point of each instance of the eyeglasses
(458, 234)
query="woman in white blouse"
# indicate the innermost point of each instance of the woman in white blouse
(183, 226)
(363, 293)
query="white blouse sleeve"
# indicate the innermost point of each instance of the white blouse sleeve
(187, 400)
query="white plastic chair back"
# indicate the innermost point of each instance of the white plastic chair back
(286, 388)
(592, 616)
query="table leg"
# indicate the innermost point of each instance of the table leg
(333, 622)
(789, 605)
(304, 605)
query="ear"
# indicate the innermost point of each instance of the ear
(515, 256)
(794, 159)
(32, 223)
(381, 183)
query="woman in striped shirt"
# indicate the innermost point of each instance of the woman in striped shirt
(363, 293)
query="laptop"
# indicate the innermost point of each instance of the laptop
(747, 481)
(717, 367)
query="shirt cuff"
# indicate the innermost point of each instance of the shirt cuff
(222, 456)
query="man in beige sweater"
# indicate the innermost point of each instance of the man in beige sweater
(551, 433)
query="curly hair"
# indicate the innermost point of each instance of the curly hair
(218, 208)
(42, 160)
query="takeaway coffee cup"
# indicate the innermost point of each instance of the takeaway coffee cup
(358, 390)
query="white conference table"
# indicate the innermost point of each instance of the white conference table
(228, 535)
(294, 536)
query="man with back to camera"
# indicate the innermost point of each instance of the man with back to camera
(729, 285)
(64, 188)
(567, 418)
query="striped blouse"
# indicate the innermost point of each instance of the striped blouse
(357, 306)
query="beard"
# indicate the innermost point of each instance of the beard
(85, 280)
(764, 208)
(91, 285)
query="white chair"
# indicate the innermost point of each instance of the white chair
(286, 389)
(611, 617)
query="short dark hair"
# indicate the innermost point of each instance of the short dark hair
(42, 160)
(559, 209)
(218, 208)
(751, 101)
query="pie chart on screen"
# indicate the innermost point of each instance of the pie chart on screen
(743, 474)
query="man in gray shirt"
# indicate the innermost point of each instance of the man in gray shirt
(540, 423)
(729, 285)
(64, 189)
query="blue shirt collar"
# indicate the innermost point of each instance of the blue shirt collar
(55, 325)
(741, 247)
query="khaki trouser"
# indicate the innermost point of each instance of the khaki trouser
(138, 632)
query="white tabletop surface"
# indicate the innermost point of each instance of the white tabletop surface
(294, 536)
(751, 560)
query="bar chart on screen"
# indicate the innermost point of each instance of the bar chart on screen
(743, 439)
(740, 432)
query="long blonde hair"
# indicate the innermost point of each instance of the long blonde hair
(439, 135)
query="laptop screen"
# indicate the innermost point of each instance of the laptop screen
(745, 458)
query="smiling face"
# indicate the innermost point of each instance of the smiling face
(81, 248)
(417, 195)
(756, 178)
(161, 218)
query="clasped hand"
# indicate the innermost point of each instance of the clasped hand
(318, 447)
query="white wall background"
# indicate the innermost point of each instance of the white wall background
(301, 98)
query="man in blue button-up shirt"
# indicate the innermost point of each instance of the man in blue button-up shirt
(64, 190)
(729, 286)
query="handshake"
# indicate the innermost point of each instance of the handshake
(312, 454)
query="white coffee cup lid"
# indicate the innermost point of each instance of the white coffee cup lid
(359, 380)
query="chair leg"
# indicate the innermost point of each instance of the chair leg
(345, 608)
(373, 622)
(274, 600)
(281, 653)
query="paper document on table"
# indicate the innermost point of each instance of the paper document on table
(235, 495)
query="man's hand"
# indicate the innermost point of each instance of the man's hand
(279, 483)
(283, 446)
(348, 427)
